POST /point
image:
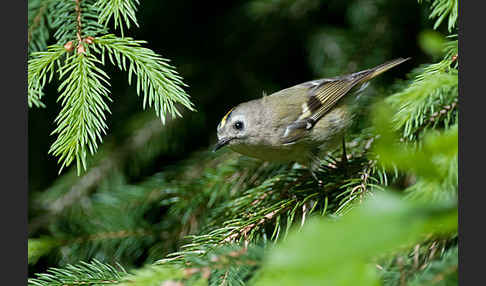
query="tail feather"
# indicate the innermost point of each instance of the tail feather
(373, 72)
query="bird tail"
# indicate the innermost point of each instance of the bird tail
(373, 72)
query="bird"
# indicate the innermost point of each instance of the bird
(299, 123)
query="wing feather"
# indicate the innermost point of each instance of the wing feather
(325, 94)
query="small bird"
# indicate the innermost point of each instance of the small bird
(298, 123)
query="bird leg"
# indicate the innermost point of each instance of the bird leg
(314, 165)
(344, 158)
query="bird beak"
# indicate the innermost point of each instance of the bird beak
(221, 143)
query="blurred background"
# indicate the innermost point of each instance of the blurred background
(228, 53)
(236, 50)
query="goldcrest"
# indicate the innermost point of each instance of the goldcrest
(298, 123)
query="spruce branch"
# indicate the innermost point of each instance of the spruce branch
(277, 200)
(445, 113)
(84, 273)
(81, 121)
(75, 20)
(121, 11)
(416, 265)
(41, 71)
(155, 78)
(448, 64)
(431, 97)
(433, 159)
(418, 103)
(227, 265)
(155, 275)
(441, 9)
(357, 189)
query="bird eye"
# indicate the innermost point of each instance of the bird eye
(238, 125)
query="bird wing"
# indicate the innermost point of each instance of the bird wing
(324, 94)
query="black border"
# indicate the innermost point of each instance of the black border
(471, 142)
(14, 144)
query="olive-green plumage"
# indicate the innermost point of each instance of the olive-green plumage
(296, 123)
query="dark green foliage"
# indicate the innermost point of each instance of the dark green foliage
(84, 86)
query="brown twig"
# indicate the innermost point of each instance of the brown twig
(112, 235)
(219, 262)
(402, 270)
(416, 256)
(80, 47)
(36, 21)
(245, 230)
(454, 58)
(78, 19)
(437, 115)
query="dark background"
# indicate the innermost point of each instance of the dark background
(233, 51)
